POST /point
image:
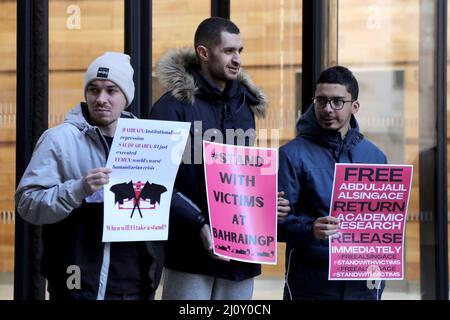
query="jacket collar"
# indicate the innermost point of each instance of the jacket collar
(178, 70)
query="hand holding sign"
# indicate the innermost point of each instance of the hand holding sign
(283, 206)
(205, 235)
(324, 227)
(95, 179)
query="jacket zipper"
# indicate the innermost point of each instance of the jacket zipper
(104, 143)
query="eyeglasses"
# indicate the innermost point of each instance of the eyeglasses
(335, 103)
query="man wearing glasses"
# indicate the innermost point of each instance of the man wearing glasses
(328, 133)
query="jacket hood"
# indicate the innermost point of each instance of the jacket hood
(172, 73)
(76, 117)
(309, 128)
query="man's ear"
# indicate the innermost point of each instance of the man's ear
(202, 53)
(355, 106)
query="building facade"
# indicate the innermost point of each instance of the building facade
(397, 49)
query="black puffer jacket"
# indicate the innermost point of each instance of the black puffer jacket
(190, 97)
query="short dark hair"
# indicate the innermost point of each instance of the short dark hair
(340, 75)
(209, 31)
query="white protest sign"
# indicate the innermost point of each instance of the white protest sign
(144, 158)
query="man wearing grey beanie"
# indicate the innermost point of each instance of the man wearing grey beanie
(62, 190)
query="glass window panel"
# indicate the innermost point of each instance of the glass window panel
(174, 25)
(7, 145)
(380, 42)
(79, 31)
(272, 35)
(448, 120)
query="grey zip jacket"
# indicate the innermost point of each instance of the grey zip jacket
(52, 185)
(51, 194)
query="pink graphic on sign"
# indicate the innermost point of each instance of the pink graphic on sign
(371, 202)
(242, 198)
(132, 195)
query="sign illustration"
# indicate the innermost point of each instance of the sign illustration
(135, 192)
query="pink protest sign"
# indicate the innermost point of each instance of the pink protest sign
(371, 202)
(241, 186)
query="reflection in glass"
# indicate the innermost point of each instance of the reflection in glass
(272, 35)
(380, 42)
(174, 25)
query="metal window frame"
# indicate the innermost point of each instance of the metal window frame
(442, 279)
(312, 59)
(31, 122)
(138, 44)
(433, 152)
(220, 8)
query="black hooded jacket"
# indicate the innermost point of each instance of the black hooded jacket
(190, 97)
